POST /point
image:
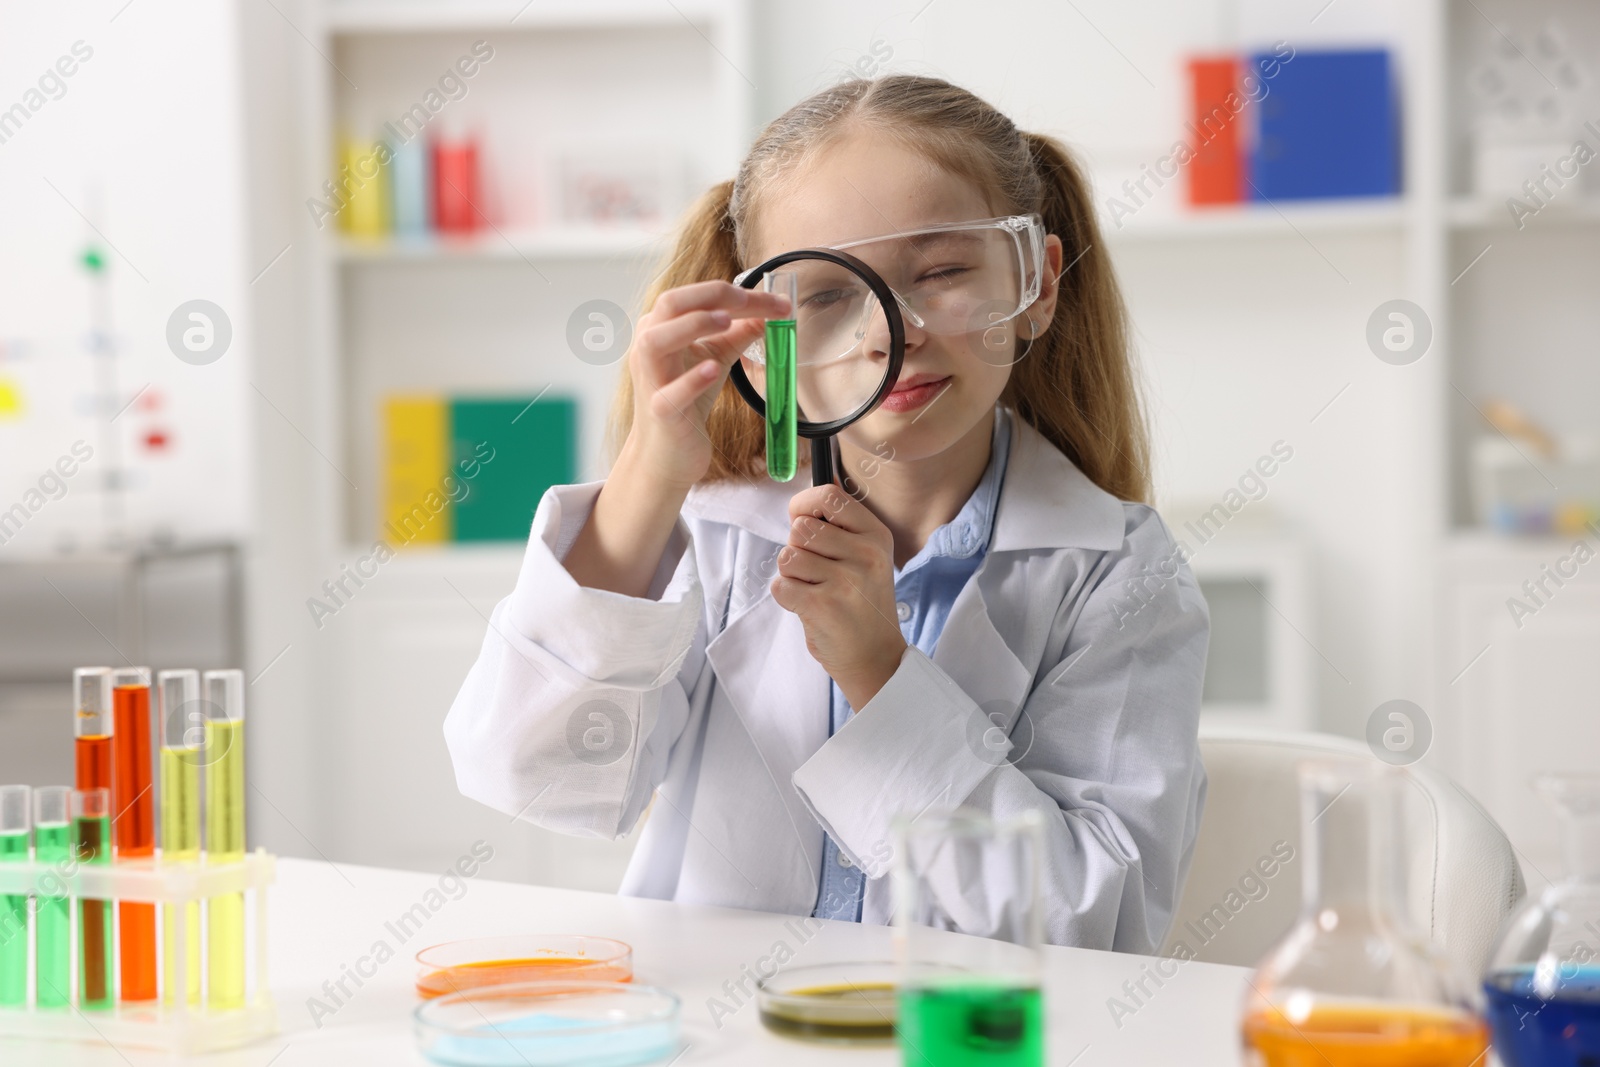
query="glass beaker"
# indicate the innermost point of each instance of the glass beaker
(1543, 978)
(1354, 982)
(964, 999)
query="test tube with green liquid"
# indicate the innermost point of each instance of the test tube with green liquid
(182, 737)
(14, 820)
(91, 839)
(52, 845)
(224, 759)
(782, 443)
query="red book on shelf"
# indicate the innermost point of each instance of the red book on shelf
(1216, 173)
(457, 204)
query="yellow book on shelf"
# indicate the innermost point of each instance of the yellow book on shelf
(365, 182)
(416, 448)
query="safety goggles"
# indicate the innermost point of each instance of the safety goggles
(949, 279)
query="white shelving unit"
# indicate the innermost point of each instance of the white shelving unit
(479, 315)
(1520, 322)
(658, 74)
(1238, 284)
(1513, 316)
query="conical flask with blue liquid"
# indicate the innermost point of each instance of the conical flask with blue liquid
(1543, 980)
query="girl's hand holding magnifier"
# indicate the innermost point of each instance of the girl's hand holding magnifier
(837, 574)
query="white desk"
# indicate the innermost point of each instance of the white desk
(325, 917)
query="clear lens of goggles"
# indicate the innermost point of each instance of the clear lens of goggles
(949, 281)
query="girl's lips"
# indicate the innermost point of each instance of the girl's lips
(909, 399)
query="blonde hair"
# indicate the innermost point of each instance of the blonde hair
(1076, 384)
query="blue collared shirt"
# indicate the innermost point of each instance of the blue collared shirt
(924, 591)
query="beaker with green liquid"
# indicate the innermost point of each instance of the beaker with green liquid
(968, 929)
(782, 442)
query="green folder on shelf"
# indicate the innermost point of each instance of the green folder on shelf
(473, 468)
(535, 446)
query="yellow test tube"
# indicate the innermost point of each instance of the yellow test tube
(183, 724)
(224, 760)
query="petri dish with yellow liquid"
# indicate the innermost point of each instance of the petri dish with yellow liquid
(831, 1003)
(461, 966)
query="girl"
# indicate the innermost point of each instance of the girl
(989, 618)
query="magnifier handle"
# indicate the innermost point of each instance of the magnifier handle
(821, 461)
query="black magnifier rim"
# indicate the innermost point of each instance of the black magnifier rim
(891, 314)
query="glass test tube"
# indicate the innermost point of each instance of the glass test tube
(178, 700)
(52, 844)
(224, 757)
(91, 838)
(14, 822)
(134, 824)
(782, 444)
(91, 728)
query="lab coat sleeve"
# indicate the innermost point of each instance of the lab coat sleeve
(1105, 747)
(568, 715)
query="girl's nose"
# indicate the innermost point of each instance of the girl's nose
(874, 331)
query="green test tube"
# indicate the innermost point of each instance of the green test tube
(52, 845)
(782, 443)
(91, 839)
(14, 822)
(224, 759)
(182, 735)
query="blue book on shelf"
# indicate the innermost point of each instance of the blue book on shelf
(411, 182)
(1328, 127)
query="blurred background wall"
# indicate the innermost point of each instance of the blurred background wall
(1423, 467)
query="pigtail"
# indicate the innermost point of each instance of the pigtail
(1076, 385)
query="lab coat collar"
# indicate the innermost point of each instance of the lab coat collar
(1045, 502)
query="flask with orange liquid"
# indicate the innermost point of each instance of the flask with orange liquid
(1354, 983)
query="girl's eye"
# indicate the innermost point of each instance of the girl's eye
(943, 274)
(825, 299)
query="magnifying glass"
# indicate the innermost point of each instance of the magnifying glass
(831, 366)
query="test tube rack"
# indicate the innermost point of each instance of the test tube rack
(177, 1028)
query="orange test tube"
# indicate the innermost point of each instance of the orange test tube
(134, 827)
(91, 728)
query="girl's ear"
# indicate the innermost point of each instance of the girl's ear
(1043, 310)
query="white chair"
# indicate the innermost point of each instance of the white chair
(1464, 877)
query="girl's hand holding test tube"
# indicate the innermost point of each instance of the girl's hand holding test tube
(682, 352)
(680, 355)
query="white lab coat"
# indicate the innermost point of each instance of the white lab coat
(1081, 635)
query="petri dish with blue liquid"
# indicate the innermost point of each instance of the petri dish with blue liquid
(550, 1024)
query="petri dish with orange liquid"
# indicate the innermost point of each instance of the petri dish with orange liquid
(474, 963)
